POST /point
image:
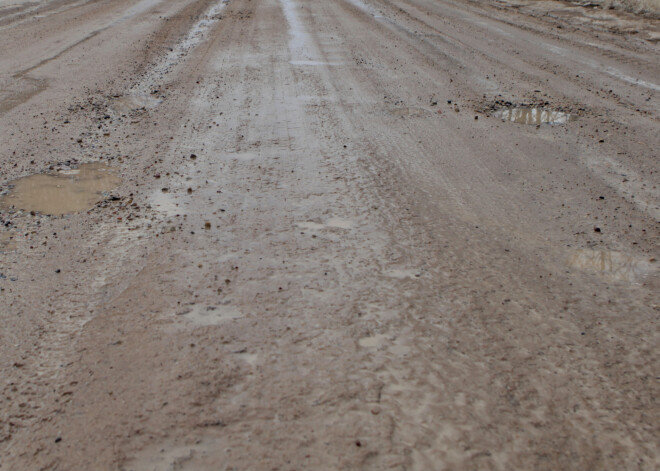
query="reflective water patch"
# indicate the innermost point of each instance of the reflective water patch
(62, 192)
(534, 116)
(614, 266)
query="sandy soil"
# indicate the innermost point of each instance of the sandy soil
(327, 251)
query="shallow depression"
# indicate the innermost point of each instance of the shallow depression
(211, 315)
(128, 103)
(7, 242)
(614, 266)
(62, 192)
(534, 116)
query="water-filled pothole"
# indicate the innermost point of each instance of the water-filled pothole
(62, 192)
(534, 116)
(410, 112)
(614, 266)
(128, 103)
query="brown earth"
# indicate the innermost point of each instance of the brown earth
(326, 250)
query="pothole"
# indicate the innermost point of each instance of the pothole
(128, 103)
(211, 315)
(7, 242)
(373, 342)
(61, 192)
(534, 116)
(613, 266)
(331, 223)
(410, 112)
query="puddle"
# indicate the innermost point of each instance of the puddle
(334, 222)
(339, 223)
(373, 342)
(212, 315)
(535, 116)
(250, 358)
(62, 192)
(310, 225)
(412, 112)
(614, 266)
(128, 103)
(314, 63)
(165, 203)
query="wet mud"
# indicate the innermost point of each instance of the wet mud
(61, 192)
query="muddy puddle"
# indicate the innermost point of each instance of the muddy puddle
(534, 116)
(613, 266)
(128, 103)
(62, 192)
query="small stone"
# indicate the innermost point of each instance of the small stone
(207, 225)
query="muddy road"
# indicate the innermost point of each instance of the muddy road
(343, 234)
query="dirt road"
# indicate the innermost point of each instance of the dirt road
(320, 241)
